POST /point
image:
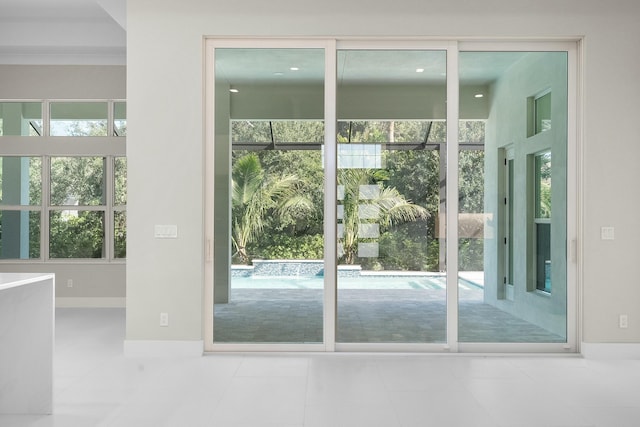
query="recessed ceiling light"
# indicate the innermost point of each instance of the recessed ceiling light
(233, 90)
(294, 68)
(278, 73)
(479, 95)
(419, 70)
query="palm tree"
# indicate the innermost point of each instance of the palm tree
(254, 195)
(384, 205)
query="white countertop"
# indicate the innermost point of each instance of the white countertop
(12, 280)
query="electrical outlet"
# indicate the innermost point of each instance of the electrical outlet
(70, 283)
(624, 321)
(164, 319)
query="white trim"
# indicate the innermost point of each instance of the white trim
(267, 347)
(433, 348)
(330, 300)
(513, 45)
(451, 191)
(91, 302)
(516, 348)
(574, 201)
(390, 43)
(164, 348)
(610, 350)
(207, 196)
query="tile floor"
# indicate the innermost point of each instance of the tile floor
(96, 386)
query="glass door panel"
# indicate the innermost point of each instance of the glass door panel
(268, 255)
(512, 251)
(391, 109)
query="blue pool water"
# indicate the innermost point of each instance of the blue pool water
(432, 281)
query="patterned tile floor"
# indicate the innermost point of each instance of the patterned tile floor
(366, 316)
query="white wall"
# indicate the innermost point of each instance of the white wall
(165, 134)
(62, 82)
(94, 284)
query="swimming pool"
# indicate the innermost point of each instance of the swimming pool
(433, 281)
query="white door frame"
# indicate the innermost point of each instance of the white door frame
(452, 47)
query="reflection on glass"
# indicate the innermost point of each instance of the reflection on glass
(506, 245)
(391, 126)
(119, 119)
(20, 181)
(268, 283)
(542, 107)
(20, 234)
(392, 131)
(20, 185)
(78, 119)
(20, 118)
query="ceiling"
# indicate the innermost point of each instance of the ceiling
(63, 32)
(94, 32)
(273, 66)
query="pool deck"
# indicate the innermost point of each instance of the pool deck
(366, 316)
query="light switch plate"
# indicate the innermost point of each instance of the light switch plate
(607, 233)
(166, 232)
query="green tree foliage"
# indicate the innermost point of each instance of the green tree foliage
(255, 195)
(543, 185)
(120, 199)
(389, 206)
(415, 245)
(77, 181)
(411, 177)
(471, 201)
(120, 234)
(296, 232)
(286, 246)
(74, 232)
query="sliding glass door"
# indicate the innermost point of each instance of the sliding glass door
(513, 197)
(388, 195)
(269, 243)
(391, 107)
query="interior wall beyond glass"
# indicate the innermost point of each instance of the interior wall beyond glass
(512, 247)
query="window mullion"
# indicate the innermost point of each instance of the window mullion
(46, 110)
(45, 206)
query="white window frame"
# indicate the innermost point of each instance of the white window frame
(45, 147)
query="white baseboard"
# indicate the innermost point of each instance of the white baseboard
(87, 302)
(610, 350)
(150, 348)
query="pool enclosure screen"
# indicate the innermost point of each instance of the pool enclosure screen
(405, 196)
